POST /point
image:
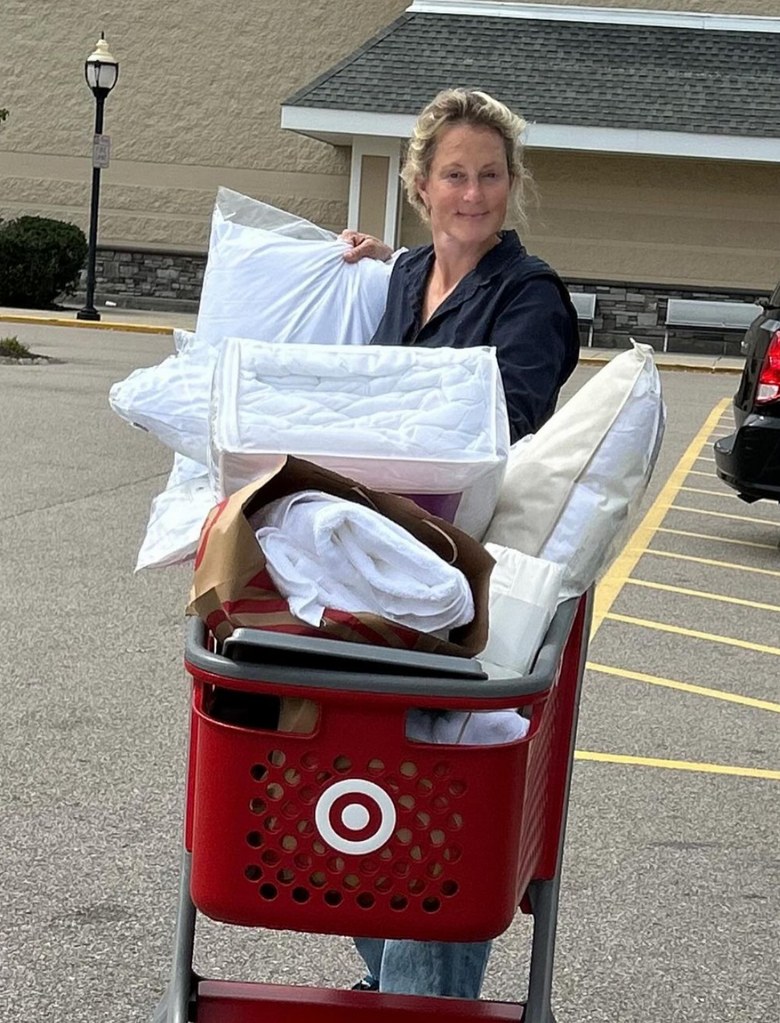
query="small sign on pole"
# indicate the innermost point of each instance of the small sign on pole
(101, 151)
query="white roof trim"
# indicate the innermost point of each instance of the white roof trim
(612, 15)
(654, 143)
(339, 127)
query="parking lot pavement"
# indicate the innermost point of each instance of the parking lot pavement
(669, 903)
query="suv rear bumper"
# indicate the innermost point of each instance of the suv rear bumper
(749, 459)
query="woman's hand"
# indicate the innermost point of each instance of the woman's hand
(364, 245)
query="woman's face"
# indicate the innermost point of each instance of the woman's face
(467, 188)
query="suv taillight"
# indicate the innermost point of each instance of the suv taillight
(768, 388)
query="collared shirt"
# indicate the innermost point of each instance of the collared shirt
(511, 301)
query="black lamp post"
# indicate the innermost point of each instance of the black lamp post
(101, 70)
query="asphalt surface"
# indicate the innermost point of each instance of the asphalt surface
(669, 906)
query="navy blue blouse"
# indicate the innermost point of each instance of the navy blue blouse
(511, 301)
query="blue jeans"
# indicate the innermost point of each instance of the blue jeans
(444, 968)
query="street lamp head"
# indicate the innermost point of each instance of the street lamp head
(101, 68)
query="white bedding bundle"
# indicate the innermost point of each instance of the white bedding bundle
(278, 365)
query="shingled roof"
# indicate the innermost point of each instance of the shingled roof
(626, 76)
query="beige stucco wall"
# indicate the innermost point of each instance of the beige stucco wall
(373, 195)
(196, 106)
(658, 220)
(651, 220)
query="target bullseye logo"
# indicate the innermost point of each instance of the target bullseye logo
(355, 816)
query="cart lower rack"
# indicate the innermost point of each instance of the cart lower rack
(349, 827)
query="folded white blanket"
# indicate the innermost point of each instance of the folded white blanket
(325, 552)
(477, 728)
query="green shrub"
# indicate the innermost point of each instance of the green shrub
(12, 348)
(39, 260)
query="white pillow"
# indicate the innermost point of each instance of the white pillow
(266, 286)
(170, 400)
(570, 488)
(247, 282)
(175, 521)
(182, 339)
(282, 282)
(185, 469)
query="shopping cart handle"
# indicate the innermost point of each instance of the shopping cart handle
(257, 646)
(256, 655)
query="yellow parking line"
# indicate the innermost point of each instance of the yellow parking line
(678, 765)
(711, 561)
(678, 630)
(720, 539)
(684, 687)
(612, 582)
(705, 596)
(712, 493)
(722, 515)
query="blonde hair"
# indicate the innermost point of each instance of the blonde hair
(463, 106)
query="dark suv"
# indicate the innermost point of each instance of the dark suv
(749, 459)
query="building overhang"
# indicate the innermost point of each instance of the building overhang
(587, 79)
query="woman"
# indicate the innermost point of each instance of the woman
(474, 285)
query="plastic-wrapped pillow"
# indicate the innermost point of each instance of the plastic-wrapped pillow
(284, 281)
(175, 521)
(569, 489)
(170, 400)
(185, 469)
(286, 285)
(182, 340)
(243, 209)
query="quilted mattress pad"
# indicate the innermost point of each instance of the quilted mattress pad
(413, 421)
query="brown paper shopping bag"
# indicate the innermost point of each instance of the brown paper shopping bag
(232, 588)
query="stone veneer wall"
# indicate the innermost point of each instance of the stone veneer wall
(166, 280)
(146, 279)
(638, 311)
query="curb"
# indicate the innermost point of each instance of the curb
(55, 321)
(143, 328)
(672, 367)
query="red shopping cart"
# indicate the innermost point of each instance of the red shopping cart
(352, 828)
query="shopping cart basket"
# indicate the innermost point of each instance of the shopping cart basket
(354, 829)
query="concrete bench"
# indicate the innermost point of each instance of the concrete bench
(585, 304)
(686, 312)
